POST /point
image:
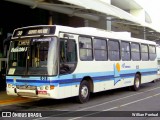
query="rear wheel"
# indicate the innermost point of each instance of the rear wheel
(137, 83)
(84, 92)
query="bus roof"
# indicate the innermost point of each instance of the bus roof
(126, 36)
(89, 31)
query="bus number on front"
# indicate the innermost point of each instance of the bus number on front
(43, 77)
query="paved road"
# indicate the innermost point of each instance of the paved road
(118, 104)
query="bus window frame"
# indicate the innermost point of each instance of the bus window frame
(143, 52)
(122, 41)
(32, 37)
(90, 37)
(152, 53)
(59, 57)
(115, 40)
(136, 52)
(106, 49)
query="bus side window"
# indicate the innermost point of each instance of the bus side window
(100, 49)
(68, 56)
(135, 51)
(152, 52)
(144, 52)
(85, 48)
(125, 51)
(113, 50)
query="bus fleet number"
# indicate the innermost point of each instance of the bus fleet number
(43, 77)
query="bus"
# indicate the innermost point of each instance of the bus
(53, 61)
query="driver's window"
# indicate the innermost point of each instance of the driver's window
(68, 56)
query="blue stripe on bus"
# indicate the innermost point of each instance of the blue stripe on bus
(67, 80)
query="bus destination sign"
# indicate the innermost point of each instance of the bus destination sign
(32, 31)
(38, 31)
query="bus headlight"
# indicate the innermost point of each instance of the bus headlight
(47, 87)
(9, 85)
(41, 87)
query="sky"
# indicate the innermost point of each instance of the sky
(153, 9)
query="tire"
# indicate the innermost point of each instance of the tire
(84, 92)
(137, 83)
(154, 81)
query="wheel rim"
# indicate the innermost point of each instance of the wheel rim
(84, 91)
(137, 82)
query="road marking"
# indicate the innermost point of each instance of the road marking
(123, 105)
(100, 105)
(118, 99)
(140, 100)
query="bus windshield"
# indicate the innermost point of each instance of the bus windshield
(33, 56)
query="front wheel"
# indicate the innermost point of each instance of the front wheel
(84, 92)
(137, 83)
(154, 81)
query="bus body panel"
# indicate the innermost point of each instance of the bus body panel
(68, 85)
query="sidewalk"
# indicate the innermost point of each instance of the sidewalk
(4, 96)
(9, 99)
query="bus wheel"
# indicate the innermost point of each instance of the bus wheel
(154, 81)
(137, 83)
(84, 92)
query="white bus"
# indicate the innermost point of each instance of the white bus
(59, 62)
